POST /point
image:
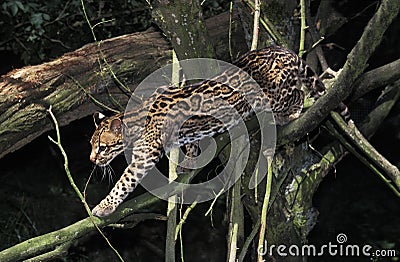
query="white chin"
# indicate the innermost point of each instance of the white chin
(102, 164)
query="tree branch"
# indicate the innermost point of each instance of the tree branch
(46, 242)
(376, 78)
(26, 93)
(359, 140)
(354, 66)
(361, 157)
(184, 26)
(70, 82)
(334, 151)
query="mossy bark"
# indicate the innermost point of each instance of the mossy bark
(68, 82)
(26, 94)
(281, 13)
(352, 69)
(183, 24)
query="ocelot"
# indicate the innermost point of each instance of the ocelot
(150, 128)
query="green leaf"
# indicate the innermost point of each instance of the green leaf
(46, 17)
(36, 19)
(14, 9)
(20, 6)
(4, 5)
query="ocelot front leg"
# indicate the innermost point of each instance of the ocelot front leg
(145, 155)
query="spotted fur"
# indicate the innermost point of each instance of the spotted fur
(151, 129)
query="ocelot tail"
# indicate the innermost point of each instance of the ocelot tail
(151, 128)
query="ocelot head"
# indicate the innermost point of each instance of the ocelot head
(107, 140)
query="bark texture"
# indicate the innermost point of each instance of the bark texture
(69, 82)
(25, 94)
(65, 83)
(183, 24)
(353, 68)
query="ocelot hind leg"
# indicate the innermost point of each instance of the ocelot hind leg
(192, 150)
(291, 107)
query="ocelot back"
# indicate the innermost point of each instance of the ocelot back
(199, 109)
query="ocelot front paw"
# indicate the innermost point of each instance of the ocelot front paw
(102, 210)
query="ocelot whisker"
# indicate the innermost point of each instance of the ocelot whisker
(103, 172)
(110, 174)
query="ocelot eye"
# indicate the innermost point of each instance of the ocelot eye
(102, 148)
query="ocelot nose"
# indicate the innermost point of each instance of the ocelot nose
(92, 157)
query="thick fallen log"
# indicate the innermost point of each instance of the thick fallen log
(65, 83)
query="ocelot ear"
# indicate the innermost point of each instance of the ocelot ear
(98, 117)
(116, 126)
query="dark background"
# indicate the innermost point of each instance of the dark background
(36, 197)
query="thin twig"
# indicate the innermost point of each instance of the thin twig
(269, 27)
(331, 129)
(172, 175)
(183, 219)
(209, 210)
(264, 211)
(235, 219)
(103, 58)
(256, 24)
(367, 149)
(134, 219)
(315, 37)
(57, 41)
(99, 103)
(93, 219)
(230, 31)
(171, 209)
(302, 27)
(249, 239)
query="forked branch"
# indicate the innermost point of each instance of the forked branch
(354, 66)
